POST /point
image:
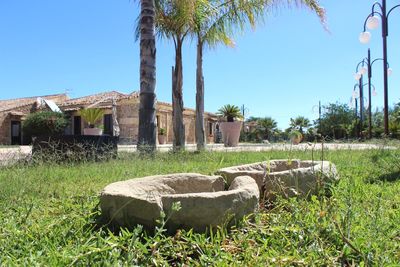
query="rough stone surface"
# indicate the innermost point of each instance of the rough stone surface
(203, 201)
(285, 177)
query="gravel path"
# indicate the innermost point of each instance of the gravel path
(267, 147)
(12, 154)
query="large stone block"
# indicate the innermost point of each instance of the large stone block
(285, 177)
(203, 201)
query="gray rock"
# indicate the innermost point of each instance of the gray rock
(202, 198)
(285, 177)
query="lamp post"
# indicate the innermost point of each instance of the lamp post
(360, 86)
(360, 73)
(319, 114)
(372, 22)
(359, 76)
(355, 96)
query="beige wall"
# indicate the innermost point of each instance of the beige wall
(164, 113)
(5, 122)
(5, 129)
(128, 119)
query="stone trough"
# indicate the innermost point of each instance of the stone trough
(285, 177)
(203, 199)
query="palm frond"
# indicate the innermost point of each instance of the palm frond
(91, 115)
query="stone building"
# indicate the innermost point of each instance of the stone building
(13, 112)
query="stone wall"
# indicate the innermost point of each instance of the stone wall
(5, 122)
(4, 129)
(190, 125)
(164, 114)
(128, 119)
(6, 117)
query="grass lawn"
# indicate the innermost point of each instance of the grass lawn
(47, 215)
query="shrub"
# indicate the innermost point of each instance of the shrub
(161, 131)
(44, 123)
(91, 115)
(230, 112)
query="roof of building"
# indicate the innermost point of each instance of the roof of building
(10, 104)
(101, 100)
(210, 114)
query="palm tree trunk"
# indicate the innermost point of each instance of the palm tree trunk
(177, 99)
(147, 109)
(199, 132)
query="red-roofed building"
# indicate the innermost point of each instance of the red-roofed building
(14, 111)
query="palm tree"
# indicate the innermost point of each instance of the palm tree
(214, 22)
(300, 123)
(230, 112)
(173, 21)
(266, 127)
(91, 115)
(212, 25)
(147, 111)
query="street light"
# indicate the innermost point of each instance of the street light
(368, 69)
(356, 95)
(372, 22)
(319, 113)
(360, 71)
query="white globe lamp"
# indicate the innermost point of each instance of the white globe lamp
(373, 22)
(365, 37)
(363, 70)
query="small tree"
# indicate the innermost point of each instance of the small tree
(44, 123)
(338, 121)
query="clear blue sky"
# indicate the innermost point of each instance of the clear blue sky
(282, 69)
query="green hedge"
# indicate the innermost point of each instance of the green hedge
(44, 123)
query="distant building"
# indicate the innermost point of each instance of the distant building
(14, 111)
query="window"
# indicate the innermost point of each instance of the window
(210, 128)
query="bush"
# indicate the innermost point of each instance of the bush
(44, 123)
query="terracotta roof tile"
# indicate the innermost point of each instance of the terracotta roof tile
(10, 104)
(96, 98)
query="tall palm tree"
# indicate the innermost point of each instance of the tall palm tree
(212, 25)
(173, 21)
(147, 109)
(215, 22)
(300, 123)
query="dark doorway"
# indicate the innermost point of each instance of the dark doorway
(16, 137)
(77, 125)
(108, 124)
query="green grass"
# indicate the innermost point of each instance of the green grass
(48, 213)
